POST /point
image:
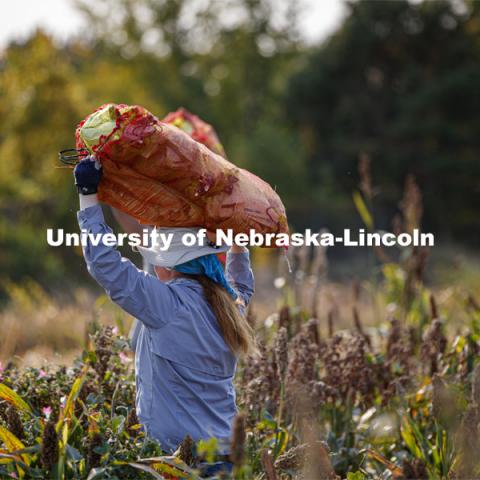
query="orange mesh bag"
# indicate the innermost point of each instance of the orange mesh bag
(162, 176)
(198, 129)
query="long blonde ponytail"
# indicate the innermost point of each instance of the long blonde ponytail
(236, 330)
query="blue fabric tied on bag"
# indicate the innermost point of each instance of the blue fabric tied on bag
(210, 266)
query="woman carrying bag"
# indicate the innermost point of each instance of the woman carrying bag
(192, 324)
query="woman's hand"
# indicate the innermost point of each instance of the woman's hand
(87, 175)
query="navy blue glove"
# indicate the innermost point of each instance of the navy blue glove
(87, 175)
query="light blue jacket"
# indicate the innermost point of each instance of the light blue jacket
(184, 369)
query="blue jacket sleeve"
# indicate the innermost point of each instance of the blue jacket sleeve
(137, 292)
(240, 275)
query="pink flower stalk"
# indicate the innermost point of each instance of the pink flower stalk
(42, 374)
(47, 411)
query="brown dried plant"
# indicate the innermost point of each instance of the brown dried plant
(237, 454)
(49, 450)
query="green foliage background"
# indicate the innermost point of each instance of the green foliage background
(397, 81)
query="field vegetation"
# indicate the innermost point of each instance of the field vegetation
(395, 395)
(366, 369)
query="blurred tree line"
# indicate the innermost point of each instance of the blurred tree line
(397, 81)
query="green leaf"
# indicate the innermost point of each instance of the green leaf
(14, 399)
(96, 472)
(147, 469)
(73, 453)
(6, 457)
(171, 466)
(363, 210)
(89, 356)
(118, 423)
(21, 466)
(67, 412)
(208, 448)
(355, 476)
(409, 440)
(280, 442)
(414, 439)
(13, 444)
(10, 440)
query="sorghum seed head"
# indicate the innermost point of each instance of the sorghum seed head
(49, 451)
(238, 440)
(14, 423)
(281, 352)
(186, 452)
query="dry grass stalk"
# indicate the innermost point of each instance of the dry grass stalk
(399, 347)
(284, 319)
(318, 272)
(330, 320)
(268, 467)
(433, 307)
(359, 326)
(411, 205)
(313, 332)
(415, 267)
(365, 175)
(434, 343)
(237, 454)
(356, 290)
(281, 352)
(301, 257)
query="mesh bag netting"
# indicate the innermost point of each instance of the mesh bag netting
(173, 173)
